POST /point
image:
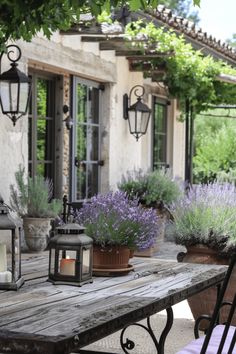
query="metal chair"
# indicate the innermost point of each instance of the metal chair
(69, 208)
(219, 338)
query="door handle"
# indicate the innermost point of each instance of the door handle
(77, 162)
(100, 162)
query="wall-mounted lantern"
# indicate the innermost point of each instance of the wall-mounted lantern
(10, 264)
(70, 256)
(15, 86)
(138, 114)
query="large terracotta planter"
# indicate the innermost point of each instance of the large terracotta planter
(111, 257)
(36, 232)
(204, 302)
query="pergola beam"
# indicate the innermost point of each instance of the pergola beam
(230, 79)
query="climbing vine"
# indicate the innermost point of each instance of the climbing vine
(189, 74)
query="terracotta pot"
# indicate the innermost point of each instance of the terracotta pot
(204, 302)
(111, 257)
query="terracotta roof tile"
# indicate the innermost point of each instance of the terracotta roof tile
(189, 29)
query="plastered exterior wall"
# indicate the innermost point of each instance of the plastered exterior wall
(65, 56)
(13, 145)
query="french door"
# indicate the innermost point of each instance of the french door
(85, 162)
(41, 126)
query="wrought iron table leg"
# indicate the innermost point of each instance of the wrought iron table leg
(127, 345)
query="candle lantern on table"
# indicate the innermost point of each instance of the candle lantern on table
(70, 256)
(10, 263)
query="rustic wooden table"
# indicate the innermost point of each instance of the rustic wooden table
(41, 318)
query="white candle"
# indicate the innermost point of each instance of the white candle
(67, 266)
(5, 277)
(3, 258)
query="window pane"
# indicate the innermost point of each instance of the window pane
(81, 145)
(92, 180)
(42, 97)
(30, 139)
(40, 170)
(94, 107)
(82, 103)
(81, 182)
(41, 146)
(92, 143)
(159, 134)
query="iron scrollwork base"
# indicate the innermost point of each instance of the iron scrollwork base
(127, 345)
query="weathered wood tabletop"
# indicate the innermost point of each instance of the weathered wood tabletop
(42, 318)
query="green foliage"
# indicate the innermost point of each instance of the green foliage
(232, 41)
(152, 189)
(189, 74)
(32, 198)
(215, 154)
(24, 18)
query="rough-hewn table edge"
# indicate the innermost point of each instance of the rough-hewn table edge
(24, 343)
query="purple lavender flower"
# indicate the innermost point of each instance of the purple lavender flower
(113, 219)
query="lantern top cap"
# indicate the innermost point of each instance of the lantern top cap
(69, 240)
(139, 106)
(71, 228)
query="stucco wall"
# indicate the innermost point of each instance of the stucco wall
(67, 55)
(13, 146)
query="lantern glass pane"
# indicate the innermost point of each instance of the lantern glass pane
(5, 264)
(23, 100)
(13, 96)
(132, 124)
(17, 255)
(52, 262)
(5, 96)
(67, 264)
(144, 122)
(86, 261)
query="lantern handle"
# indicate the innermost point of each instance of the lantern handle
(2, 204)
(136, 89)
(9, 54)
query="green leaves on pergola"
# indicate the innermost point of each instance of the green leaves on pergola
(188, 74)
(24, 18)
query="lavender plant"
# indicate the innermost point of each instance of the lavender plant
(114, 219)
(207, 215)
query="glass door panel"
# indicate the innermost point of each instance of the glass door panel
(86, 140)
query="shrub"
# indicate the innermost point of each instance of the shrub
(206, 215)
(31, 199)
(153, 188)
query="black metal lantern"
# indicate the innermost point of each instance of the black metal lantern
(137, 114)
(15, 87)
(10, 264)
(70, 256)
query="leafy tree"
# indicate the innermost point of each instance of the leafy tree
(215, 149)
(24, 18)
(232, 41)
(181, 8)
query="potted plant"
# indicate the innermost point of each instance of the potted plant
(32, 200)
(117, 225)
(205, 223)
(156, 189)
